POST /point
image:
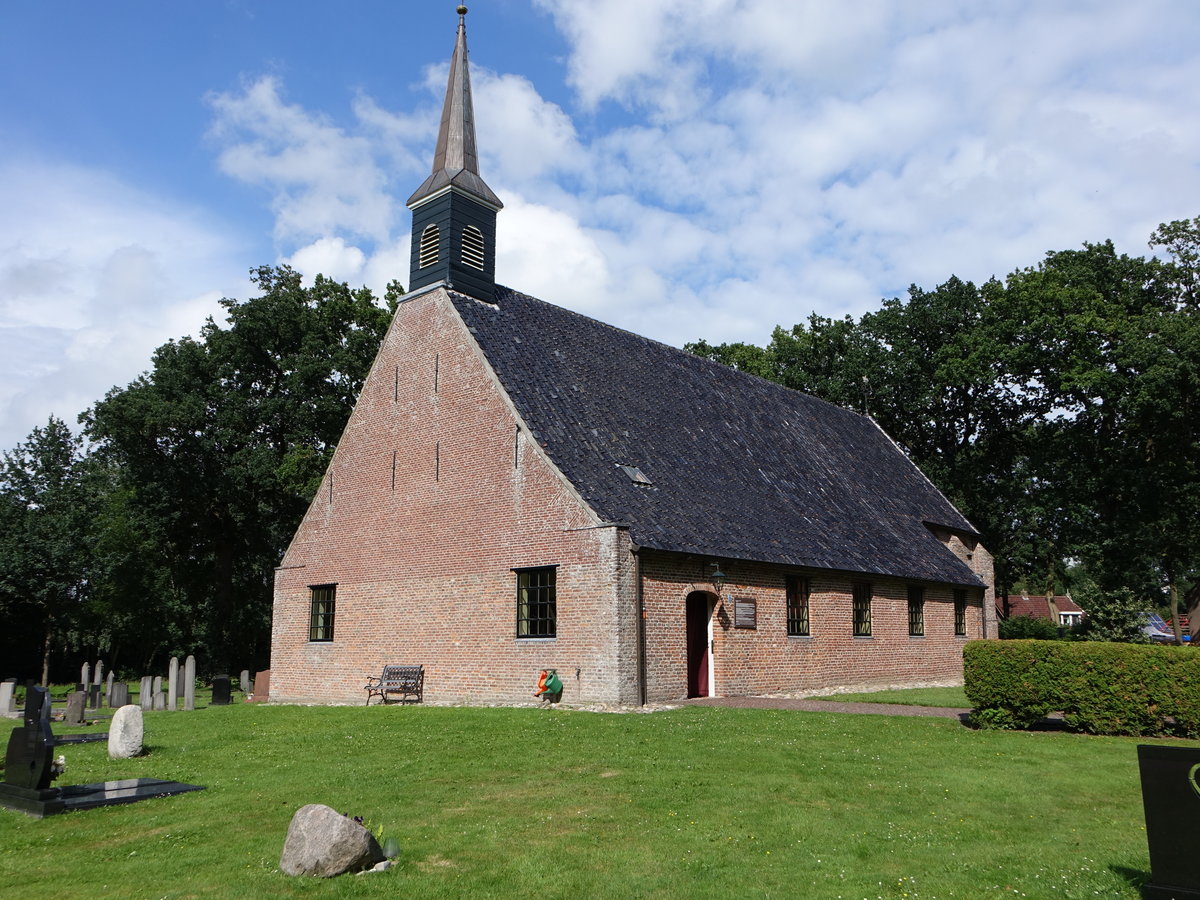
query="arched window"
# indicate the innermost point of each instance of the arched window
(429, 247)
(472, 247)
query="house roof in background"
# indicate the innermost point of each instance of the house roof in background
(738, 467)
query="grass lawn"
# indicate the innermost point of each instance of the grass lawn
(932, 696)
(695, 802)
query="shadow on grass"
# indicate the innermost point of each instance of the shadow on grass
(1136, 878)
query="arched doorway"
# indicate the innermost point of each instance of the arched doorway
(698, 613)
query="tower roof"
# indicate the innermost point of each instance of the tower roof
(456, 160)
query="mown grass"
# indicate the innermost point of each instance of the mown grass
(953, 697)
(695, 802)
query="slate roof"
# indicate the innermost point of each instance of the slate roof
(740, 467)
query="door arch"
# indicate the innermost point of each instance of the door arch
(698, 609)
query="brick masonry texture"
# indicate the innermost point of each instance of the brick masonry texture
(437, 492)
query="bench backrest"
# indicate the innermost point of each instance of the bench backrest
(401, 674)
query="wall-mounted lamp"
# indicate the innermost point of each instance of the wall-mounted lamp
(717, 576)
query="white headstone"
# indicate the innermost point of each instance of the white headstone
(98, 677)
(108, 683)
(189, 683)
(245, 681)
(146, 693)
(173, 683)
(85, 675)
(8, 702)
(126, 732)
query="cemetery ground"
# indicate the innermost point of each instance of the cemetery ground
(696, 802)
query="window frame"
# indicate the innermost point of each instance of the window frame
(860, 604)
(322, 613)
(798, 591)
(473, 248)
(544, 624)
(960, 612)
(916, 611)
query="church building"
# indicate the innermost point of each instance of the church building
(521, 488)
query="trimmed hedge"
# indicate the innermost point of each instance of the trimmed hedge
(1100, 688)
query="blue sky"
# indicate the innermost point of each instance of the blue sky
(681, 168)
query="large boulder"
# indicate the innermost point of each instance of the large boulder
(126, 732)
(321, 841)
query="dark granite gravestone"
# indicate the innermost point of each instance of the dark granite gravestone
(93, 696)
(1171, 800)
(75, 704)
(118, 695)
(220, 690)
(29, 769)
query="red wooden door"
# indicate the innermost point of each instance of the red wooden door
(698, 613)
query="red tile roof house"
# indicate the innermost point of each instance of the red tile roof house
(1060, 609)
(520, 487)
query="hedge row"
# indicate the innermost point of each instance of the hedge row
(1100, 688)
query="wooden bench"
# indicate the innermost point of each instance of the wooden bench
(407, 681)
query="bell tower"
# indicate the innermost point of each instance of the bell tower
(454, 211)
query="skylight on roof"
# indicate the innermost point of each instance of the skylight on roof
(636, 475)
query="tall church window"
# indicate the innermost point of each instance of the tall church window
(862, 609)
(537, 606)
(472, 247)
(428, 253)
(322, 600)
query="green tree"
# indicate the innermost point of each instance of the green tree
(46, 512)
(219, 447)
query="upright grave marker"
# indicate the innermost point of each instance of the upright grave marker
(189, 683)
(173, 683)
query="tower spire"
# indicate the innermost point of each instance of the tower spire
(454, 211)
(456, 159)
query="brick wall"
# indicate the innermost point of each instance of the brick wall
(433, 496)
(767, 659)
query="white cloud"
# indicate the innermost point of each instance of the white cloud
(322, 180)
(93, 276)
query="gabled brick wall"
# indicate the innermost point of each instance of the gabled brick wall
(434, 495)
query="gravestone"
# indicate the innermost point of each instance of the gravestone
(29, 768)
(27, 764)
(118, 695)
(98, 676)
(75, 702)
(159, 701)
(145, 693)
(173, 683)
(189, 683)
(156, 685)
(93, 696)
(108, 683)
(220, 690)
(8, 699)
(85, 676)
(244, 681)
(262, 686)
(1171, 802)
(126, 733)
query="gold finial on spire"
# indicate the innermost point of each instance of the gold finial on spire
(462, 10)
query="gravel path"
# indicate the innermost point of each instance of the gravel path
(836, 706)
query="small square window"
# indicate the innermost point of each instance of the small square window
(798, 590)
(862, 608)
(537, 602)
(323, 601)
(916, 611)
(960, 612)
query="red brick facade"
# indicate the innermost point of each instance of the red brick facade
(436, 494)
